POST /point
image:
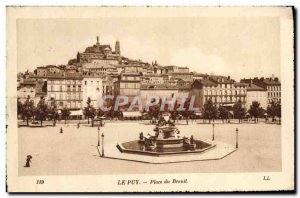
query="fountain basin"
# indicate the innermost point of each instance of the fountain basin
(135, 147)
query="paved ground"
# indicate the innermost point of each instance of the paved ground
(75, 153)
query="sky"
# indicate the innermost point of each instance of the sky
(232, 46)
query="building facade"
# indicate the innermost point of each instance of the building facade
(222, 91)
(258, 94)
(271, 85)
(92, 88)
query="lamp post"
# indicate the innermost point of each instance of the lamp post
(237, 135)
(98, 136)
(213, 137)
(102, 145)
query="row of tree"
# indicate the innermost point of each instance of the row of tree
(210, 111)
(41, 112)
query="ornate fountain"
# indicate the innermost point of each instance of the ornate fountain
(164, 139)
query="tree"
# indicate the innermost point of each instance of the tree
(89, 110)
(174, 111)
(28, 110)
(53, 114)
(42, 110)
(223, 113)
(187, 113)
(256, 111)
(271, 110)
(210, 110)
(19, 108)
(278, 111)
(154, 110)
(238, 111)
(65, 113)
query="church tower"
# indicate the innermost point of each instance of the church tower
(117, 48)
(98, 40)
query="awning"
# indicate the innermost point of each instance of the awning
(131, 114)
(198, 113)
(76, 113)
(228, 105)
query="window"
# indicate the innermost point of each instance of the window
(60, 88)
(51, 88)
(68, 88)
(79, 87)
(74, 87)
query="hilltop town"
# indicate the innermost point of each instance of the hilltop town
(101, 70)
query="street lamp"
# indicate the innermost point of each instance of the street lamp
(237, 135)
(102, 145)
(213, 137)
(98, 136)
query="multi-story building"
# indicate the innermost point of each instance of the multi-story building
(271, 85)
(64, 89)
(153, 79)
(168, 92)
(220, 90)
(258, 94)
(26, 88)
(92, 88)
(128, 85)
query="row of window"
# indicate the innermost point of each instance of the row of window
(223, 86)
(60, 82)
(130, 78)
(224, 92)
(225, 99)
(274, 88)
(92, 82)
(274, 94)
(130, 85)
(68, 88)
(67, 96)
(72, 104)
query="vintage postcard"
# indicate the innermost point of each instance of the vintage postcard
(150, 99)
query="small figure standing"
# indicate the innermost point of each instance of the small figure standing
(61, 130)
(192, 140)
(78, 125)
(28, 161)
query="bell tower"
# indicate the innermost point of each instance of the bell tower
(117, 48)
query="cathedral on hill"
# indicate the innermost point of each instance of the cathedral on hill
(100, 58)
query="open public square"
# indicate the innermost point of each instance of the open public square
(74, 152)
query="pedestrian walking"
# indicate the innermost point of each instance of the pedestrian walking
(28, 161)
(61, 130)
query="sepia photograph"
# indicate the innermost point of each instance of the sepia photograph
(150, 99)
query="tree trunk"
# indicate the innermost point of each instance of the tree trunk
(88, 120)
(41, 122)
(65, 121)
(209, 121)
(27, 122)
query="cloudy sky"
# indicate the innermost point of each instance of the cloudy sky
(235, 46)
